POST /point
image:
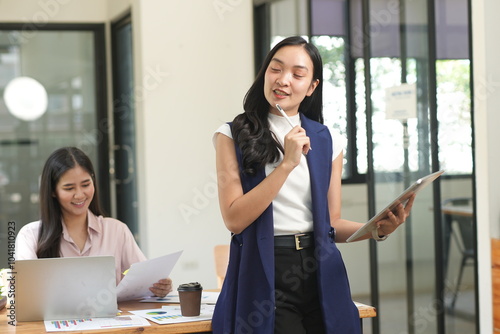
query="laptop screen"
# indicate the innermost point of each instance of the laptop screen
(65, 288)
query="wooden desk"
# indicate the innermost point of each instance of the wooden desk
(365, 311)
(458, 210)
(462, 215)
(187, 327)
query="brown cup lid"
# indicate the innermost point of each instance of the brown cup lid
(193, 286)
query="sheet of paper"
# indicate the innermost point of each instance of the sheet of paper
(171, 314)
(141, 276)
(401, 102)
(95, 323)
(207, 297)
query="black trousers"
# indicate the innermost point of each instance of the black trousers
(298, 309)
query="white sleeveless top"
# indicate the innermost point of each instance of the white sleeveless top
(292, 205)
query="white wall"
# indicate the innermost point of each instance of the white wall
(37, 13)
(194, 63)
(486, 78)
(116, 9)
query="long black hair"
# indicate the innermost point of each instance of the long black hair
(58, 163)
(251, 129)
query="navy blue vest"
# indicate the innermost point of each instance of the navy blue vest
(247, 299)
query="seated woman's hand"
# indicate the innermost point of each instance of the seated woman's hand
(162, 287)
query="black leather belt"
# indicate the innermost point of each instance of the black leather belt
(297, 241)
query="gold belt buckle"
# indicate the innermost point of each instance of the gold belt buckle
(297, 241)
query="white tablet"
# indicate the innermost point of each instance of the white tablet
(402, 198)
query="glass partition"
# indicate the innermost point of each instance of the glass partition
(425, 271)
(63, 62)
(423, 278)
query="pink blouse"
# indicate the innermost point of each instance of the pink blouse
(106, 236)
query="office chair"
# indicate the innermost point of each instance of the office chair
(459, 211)
(221, 257)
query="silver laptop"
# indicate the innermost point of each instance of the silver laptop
(65, 288)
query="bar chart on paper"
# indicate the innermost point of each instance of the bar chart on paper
(94, 323)
(60, 324)
(160, 318)
(170, 314)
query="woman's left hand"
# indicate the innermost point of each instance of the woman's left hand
(395, 219)
(162, 287)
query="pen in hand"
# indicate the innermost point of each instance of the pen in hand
(283, 113)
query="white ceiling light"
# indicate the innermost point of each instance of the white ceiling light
(25, 98)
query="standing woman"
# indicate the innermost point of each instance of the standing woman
(72, 222)
(280, 197)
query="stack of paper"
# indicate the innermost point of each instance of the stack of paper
(207, 297)
(169, 314)
(95, 323)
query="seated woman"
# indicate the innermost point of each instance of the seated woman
(72, 222)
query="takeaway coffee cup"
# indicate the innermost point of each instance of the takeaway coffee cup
(190, 298)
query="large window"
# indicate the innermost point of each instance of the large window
(369, 46)
(344, 89)
(66, 64)
(454, 115)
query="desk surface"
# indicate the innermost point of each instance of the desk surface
(365, 311)
(457, 210)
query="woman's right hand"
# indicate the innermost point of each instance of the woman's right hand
(240, 209)
(162, 287)
(297, 143)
